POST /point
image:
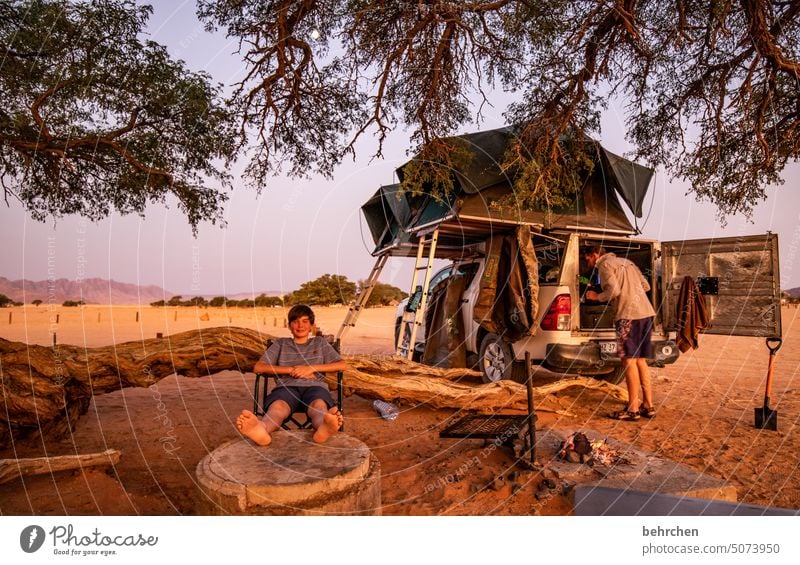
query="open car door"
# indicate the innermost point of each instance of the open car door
(738, 277)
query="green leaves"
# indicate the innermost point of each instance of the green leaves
(94, 120)
(324, 291)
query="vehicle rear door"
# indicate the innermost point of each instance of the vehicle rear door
(738, 277)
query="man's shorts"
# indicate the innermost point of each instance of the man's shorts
(299, 397)
(633, 338)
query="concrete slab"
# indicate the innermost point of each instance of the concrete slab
(293, 475)
(605, 501)
(640, 471)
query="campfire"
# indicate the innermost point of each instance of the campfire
(577, 448)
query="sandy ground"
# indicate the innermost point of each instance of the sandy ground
(705, 420)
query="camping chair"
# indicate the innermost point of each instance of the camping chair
(260, 396)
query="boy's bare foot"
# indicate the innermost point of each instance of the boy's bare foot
(331, 422)
(250, 426)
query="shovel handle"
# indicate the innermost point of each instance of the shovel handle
(772, 350)
(774, 344)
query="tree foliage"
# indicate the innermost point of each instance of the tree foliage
(93, 119)
(324, 291)
(384, 294)
(711, 86)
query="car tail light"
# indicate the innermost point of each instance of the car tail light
(558, 316)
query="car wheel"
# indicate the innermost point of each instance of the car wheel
(496, 359)
(418, 349)
(397, 332)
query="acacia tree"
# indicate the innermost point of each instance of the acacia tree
(94, 119)
(711, 86)
(324, 291)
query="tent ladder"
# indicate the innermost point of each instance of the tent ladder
(413, 319)
(362, 297)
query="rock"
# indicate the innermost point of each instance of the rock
(573, 457)
(497, 483)
(550, 473)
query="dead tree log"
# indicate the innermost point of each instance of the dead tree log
(399, 367)
(441, 393)
(46, 389)
(10, 469)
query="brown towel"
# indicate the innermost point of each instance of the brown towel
(692, 315)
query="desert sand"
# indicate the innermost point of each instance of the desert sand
(705, 419)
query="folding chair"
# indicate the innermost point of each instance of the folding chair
(260, 392)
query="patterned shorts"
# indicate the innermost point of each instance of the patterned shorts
(633, 338)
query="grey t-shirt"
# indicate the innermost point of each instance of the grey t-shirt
(286, 353)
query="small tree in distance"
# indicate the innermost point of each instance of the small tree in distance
(324, 291)
(384, 294)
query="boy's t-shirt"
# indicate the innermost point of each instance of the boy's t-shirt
(286, 353)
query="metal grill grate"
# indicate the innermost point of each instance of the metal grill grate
(485, 427)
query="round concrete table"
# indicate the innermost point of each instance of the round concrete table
(291, 476)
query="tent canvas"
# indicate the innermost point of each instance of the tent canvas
(481, 205)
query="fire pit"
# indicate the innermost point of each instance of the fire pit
(577, 448)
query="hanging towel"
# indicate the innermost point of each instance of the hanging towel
(692, 315)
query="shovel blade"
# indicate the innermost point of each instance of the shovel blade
(766, 419)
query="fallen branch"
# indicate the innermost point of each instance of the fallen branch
(393, 367)
(441, 393)
(10, 469)
(44, 390)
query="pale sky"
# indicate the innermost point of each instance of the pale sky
(299, 229)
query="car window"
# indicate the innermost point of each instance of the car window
(550, 255)
(468, 271)
(440, 276)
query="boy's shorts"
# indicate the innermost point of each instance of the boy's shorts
(298, 397)
(633, 338)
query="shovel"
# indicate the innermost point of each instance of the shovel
(767, 418)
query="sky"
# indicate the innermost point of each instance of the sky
(295, 230)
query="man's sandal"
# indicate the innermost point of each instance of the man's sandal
(624, 415)
(647, 412)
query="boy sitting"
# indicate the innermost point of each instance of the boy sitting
(299, 362)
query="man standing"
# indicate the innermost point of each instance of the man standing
(623, 282)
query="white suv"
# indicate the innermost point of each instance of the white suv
(569, 334)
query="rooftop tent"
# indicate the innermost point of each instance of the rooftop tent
(596, 206)
(487, 152)
(483, 201)
(488, 148)
(631, 180)
(387, 214)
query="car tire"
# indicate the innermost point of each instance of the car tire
(419, 348)
(496, 359)
(397, 332)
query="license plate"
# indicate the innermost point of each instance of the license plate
(608, 347)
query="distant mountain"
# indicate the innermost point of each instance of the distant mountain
(252, 295)
(793, 292)
(91, 291)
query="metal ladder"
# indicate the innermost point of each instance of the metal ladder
(411, 321)
(362, 297)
